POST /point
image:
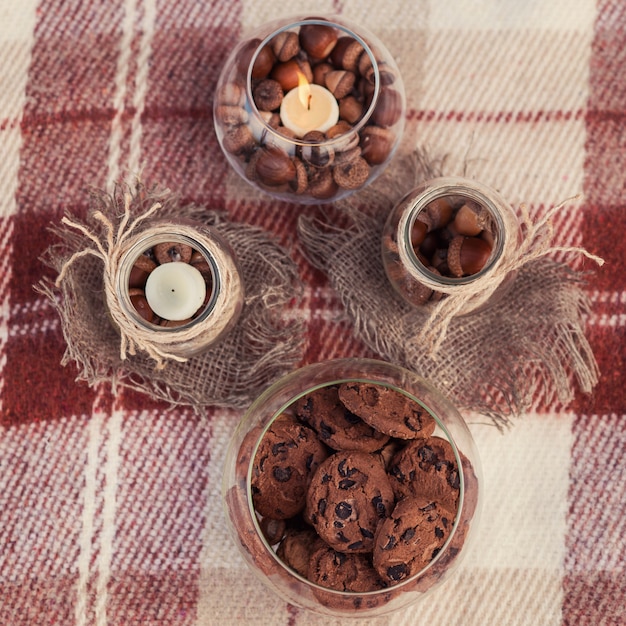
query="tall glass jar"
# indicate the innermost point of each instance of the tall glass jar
(309, 110)
(282, 546)
(176, 289)
(451, 236)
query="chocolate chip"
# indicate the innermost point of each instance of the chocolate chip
(277, 448)
(379, 505)
(439, 532)
(341, 537)
(351, 418)
(368, 534)
(357, 545)
(343, 471)
(346, 483)
(396, 472)
(343, 510)
(453, 479)
(325, 431)
(426, 453)
(390, 543)
(408, 534)
(397, 572)
(282, 474)
(321, 506)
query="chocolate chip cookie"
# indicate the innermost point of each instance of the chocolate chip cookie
(426, 468)
(336, 426)
(287, 456)
(344, 572)
(410, 538)
(348, 496)
(387, 410)
(296, 547)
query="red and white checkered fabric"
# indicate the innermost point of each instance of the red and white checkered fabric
(110, 510)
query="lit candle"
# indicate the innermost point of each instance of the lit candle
(309, 107)
(175, 291)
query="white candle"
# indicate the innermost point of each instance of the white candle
(175, 291)
(309, 107)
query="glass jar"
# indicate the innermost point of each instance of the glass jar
(209, 308)
(451, 236)
(260, 537)
(309, 110)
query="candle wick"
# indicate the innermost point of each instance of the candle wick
(308, 104)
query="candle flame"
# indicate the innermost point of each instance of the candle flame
(304, 91)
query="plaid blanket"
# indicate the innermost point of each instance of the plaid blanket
(110, 506)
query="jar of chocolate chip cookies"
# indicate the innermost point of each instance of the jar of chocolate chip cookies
(451, 237)
(352, 487)
(176, 290)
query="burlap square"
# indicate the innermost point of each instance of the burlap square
(494, 362)
(263, 346)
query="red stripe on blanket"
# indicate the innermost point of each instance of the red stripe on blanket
(189, 47)
(71, 75)
(594, 584)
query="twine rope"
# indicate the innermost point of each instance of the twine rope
(537, 242)
(111, 256)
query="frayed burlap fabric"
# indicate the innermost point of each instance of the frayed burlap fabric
(491, 362)
(261, 347)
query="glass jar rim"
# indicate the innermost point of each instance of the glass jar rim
(145, 243)
(315, 367)
(295, 142)
(440, 187)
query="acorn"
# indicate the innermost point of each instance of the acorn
(340, 83)
(268, 95)
(316, 153)
(140, 271)
(439, 212)
(262, 64)
(320, 71)
(376, 144)
(351, 174)
(285, 45)
(388, 107)
(173, 251)
(418, 233)
(322, 185)
(139, 301)
(287, 73)
(470, 220)
(318, 40)
(274, 167)
(467, 255)
(350, 109)
(346, 54)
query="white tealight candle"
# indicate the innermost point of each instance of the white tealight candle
(175, 291)
(309, 107)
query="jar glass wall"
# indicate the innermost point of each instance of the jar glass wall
(450, 236)
(309, 110)
(187, 249)
(267, 544)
